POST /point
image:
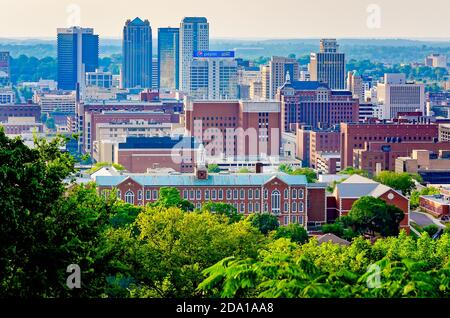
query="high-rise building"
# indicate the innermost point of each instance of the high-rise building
(213, 75)
(4, 68)
(194, 36)
(328, 66)
(77, 54)
(278, 68)
(137, 54)
(355, 85)
(396, 95)
(265, 82)
(155, 84)
(168, 58)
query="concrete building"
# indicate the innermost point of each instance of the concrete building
(315, 104)
(278, 68)
(350, 190)
(57, 101)
(137, 54)
(213, 76)
(194, 36)
(328, 66)
(99, 79)
(5, 72)
(328, 162)
(78, 50)
(355, 85)
(436, 60)
(265, 82)
(235, 128)
(396, 95)
(290, 198)
(444, 132)
(7, 96)
(22, 125)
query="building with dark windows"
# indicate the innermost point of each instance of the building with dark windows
(290, 198)
(137, 54)
(315, 104)
(168, 58)
(5, 73)
(77, 54)
(328, 66)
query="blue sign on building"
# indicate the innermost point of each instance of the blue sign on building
(218, 54)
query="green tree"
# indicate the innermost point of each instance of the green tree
(223, 209)
(373, 215)
(431, 229)
(170, 197)
(310, 174)
(398, 181)
(294, 232)
(264, 222)
(213, 168)
(351, 171)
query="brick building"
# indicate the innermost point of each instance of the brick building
(315, 104)
(20, 110)
(235, 128)
(355, 187)
(438, 205)
(396, 135)
(290, 198)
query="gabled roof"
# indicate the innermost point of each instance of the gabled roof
(332, 238)
(191, 180)
(357, 186)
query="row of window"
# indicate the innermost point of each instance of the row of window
(236, 194)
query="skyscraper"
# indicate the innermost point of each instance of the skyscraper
(328, 66)
(4, 68)
(278, 67)
(77, 54)
(137, 54)
(168, 58)
(194, 36)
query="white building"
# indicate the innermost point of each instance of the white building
(99, 79)
(194, 36)
(396, 95)
(7, 96)
(56, 102)
(436, 60)
(278, 67)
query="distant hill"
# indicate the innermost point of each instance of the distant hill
(379, 50)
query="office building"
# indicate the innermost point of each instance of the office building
(279, 67)
(213, 75)
(356, 86)
(78, 50)
(168, 59)
(5, 72)
(396, 95)
(99, 79)
(137, 54)
(194, 36)
(436, 60)
(64, 102)
(155, 71)
(328, 66)
(20, 110)
(7, 96)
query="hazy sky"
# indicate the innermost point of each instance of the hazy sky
(236, 18)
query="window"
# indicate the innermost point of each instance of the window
(294, 219)
(275, 201)
(266, 207)
(266, 194)
(300, 219)
(250, 207)
(148, 195)
(220, 194)
(294, 194)
(129, 197)
(286, 220)
(286, 194)
(257, 207)
(286, 207)
(206, 194)
(300, 194)
(294, 207)
(235, 194)
(199, 194)
(119, 194)
(250, 194)
(191, 195)
(140, 195)
(257, 194)
(185, 194)
(242, 194)
(228, 194)
(214, 194)
(242, 208)
(300, 207)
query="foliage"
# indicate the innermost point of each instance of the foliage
(407, 268)
(373, 215)
(296, 233)
(351, 171)
(264, 222)
(431, 229)
(398, 181)
(339, 229)
(244, 170)
(223, 209)
(414, 199)
(310, 174)
(213, 168)
(98, 165)
(170, 197)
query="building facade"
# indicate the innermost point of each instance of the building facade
(5, 72)
(279, 67)
(99, 79)
(77, 50)
(169, 58)
(137, 54)
(328, 66)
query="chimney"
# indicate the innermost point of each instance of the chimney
(259, 167)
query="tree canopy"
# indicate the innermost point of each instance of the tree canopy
(398, 181)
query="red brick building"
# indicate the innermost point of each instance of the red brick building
(355, 187)
(311, 142)
(290, 198)
(235, 128)
(437, 205)
(357, 135)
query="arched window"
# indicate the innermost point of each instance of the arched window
(300, 207)
(286, 207)
(129, 197)
(276, 201)
(286, 193)
(294, 207)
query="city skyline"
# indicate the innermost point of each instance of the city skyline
(349, 18)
